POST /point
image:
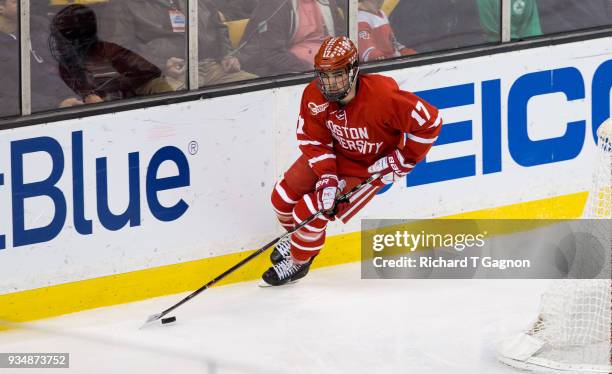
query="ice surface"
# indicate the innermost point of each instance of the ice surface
(330, 322)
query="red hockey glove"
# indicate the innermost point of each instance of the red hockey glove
(391, 168)
(326, 189)
(337, 206)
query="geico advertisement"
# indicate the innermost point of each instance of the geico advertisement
(518, 126)
(524, 150)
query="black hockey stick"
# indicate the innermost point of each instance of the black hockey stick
(341, 198)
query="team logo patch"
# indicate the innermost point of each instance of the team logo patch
(316, 109)
(364, 35)
(341, 115)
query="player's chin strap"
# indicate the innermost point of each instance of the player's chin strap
(344, 197)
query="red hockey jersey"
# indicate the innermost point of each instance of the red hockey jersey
(346, 140)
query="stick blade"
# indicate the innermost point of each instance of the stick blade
(152, 318)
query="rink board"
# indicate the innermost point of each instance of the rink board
(125, 206)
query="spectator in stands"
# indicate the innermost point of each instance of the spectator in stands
(567, 15)
(156, 29)
(284, 35)
(376, 38)
(525, 21)
(47, 89)
(427, 26)
(233, 10)
(98, 70)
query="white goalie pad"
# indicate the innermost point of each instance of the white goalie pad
(519, 347)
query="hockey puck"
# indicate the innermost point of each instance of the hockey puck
(168, 320)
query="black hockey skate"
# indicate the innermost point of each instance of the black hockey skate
(285, 272)
(281, 251)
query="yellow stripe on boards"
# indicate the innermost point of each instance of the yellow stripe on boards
(346, 248)
(166, 280)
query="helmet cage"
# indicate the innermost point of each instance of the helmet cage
(331, 91)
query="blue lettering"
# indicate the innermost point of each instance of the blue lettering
(602, 82)
(453, 168)
(155, 184)
(491, 127)
(527, 152)
(47, 187)
(131, 214)
(82, 225)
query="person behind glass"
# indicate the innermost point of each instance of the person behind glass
(525, 20)
(48, 90)
(567, 15)
(156, 29)
(428, 26)
(283, 36)
(98, 70)
(376, 38)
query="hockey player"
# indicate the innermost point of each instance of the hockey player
(350, 126)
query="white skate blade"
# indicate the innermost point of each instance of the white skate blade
(263, 284)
